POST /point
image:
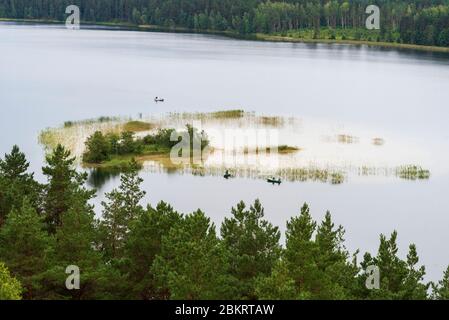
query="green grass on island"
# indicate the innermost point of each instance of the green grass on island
(287, 149)
(219, 115)
(137, 126)
(112, 150)
(121, 163)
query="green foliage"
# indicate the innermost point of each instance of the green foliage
(421, 22)
(198, 140)
(143, 244)
(75, 245)
(120, 209)
(192, 263)
(400, 280)
(10, 288)
(136, 126)
(278, 286)
(317, 259)
(129, 145)
(98, 148)
(114, 151)
(160, 139)
(64, 185)
(16, 183)
(412, 172)
(26, 248)
(253, 245)
(441, 289)
(157, 253)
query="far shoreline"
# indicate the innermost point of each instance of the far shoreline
(234, 35)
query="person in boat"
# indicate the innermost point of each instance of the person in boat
(227, 174)
(273, 180)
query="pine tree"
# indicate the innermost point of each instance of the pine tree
(98, 148)
(16, 183)
(192, 262)
(75, 245)
(440, 291)
(15, 165)
(121, 209)
(337, 274)
(143, 244)
(399, 280)
(413, 287)
(301, 251)
(10, 288)
(253, 244)
(278, 286)
(392, 268)
(318, 264)
(26, 248)
(64, 185)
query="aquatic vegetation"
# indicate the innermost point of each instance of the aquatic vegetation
(337, 178)
(228, 114)
(237, 115)
(311, 174)
(48, 138)
(378, 141)
(136, 126)
(271, 121)
(102, 119)
(412, 172)
(373, 171)
(282, 149)
(287, 149)
(118, 164)
(161, 163)
(121, 139)
(407, 172)
(347, 139)
(224, 114)
(74, 135)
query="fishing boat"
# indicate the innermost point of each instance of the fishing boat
(227, 175)
(274, 180)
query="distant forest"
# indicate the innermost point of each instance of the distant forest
(422, 22)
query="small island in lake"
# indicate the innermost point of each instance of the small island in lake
(296, 152)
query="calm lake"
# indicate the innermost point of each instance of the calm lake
(49, 75)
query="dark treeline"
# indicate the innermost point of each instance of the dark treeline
(424, 22)
(136, 252)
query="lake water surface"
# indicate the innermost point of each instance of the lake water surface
(49, 75)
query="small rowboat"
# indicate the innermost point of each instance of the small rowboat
(274, 181)
(158, 99)
(227, 175)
